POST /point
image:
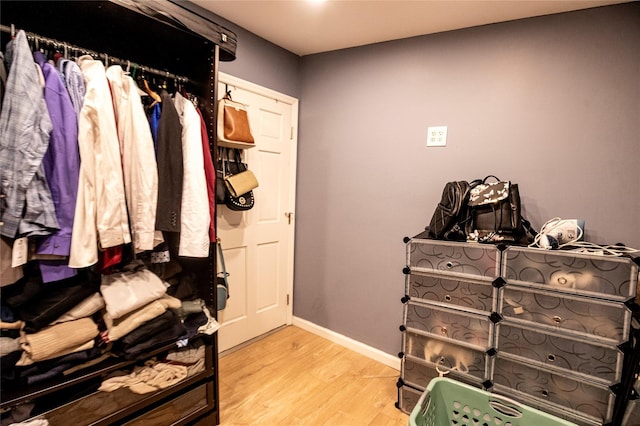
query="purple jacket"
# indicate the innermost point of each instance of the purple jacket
(62, 167)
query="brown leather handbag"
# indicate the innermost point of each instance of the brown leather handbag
(233, 125)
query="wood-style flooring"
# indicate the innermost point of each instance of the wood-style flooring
(293, 377)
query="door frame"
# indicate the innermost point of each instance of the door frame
(239, 83)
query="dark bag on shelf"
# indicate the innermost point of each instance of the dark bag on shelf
(447, 222)
(494, 211)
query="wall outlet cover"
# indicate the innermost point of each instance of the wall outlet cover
(437, 136)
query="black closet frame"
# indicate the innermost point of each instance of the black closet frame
(47, 43)
(126, 25)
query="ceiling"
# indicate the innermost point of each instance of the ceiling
(305, 27)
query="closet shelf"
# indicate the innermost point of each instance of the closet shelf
(93, 410)
(17, 396)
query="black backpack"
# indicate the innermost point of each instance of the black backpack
(449, 218)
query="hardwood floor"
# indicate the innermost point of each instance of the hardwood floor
(293, 377)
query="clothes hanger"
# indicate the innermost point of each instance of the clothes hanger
(164, 83)
(178, 85)
(145, 86)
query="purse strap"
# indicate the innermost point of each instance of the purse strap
(491, 176)
(222, 153)
(237, 155)
(224, 272)
(224, 156)
(237, 159)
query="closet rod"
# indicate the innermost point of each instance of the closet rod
(103, 56)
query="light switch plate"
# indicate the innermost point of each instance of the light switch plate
(437, 136)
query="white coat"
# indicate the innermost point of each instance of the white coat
(101, 212)
(139, 166)
(194, 230)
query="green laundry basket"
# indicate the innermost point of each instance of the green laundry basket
(447, 402)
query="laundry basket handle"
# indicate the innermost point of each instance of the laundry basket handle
(505, 406)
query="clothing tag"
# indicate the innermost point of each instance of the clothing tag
(19, 252)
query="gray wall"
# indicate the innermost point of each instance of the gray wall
(551, 103)
(258, 60)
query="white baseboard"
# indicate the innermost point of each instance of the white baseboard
(349, 343)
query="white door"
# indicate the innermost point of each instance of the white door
(258, 244)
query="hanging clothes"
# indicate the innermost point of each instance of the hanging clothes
(138, 159)
(62, 167)
(194, 230)
(170, 167)
(27, 206)
(101, 211)
(3, 78)
(210, 175)
(154, 114)
(73, 80)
